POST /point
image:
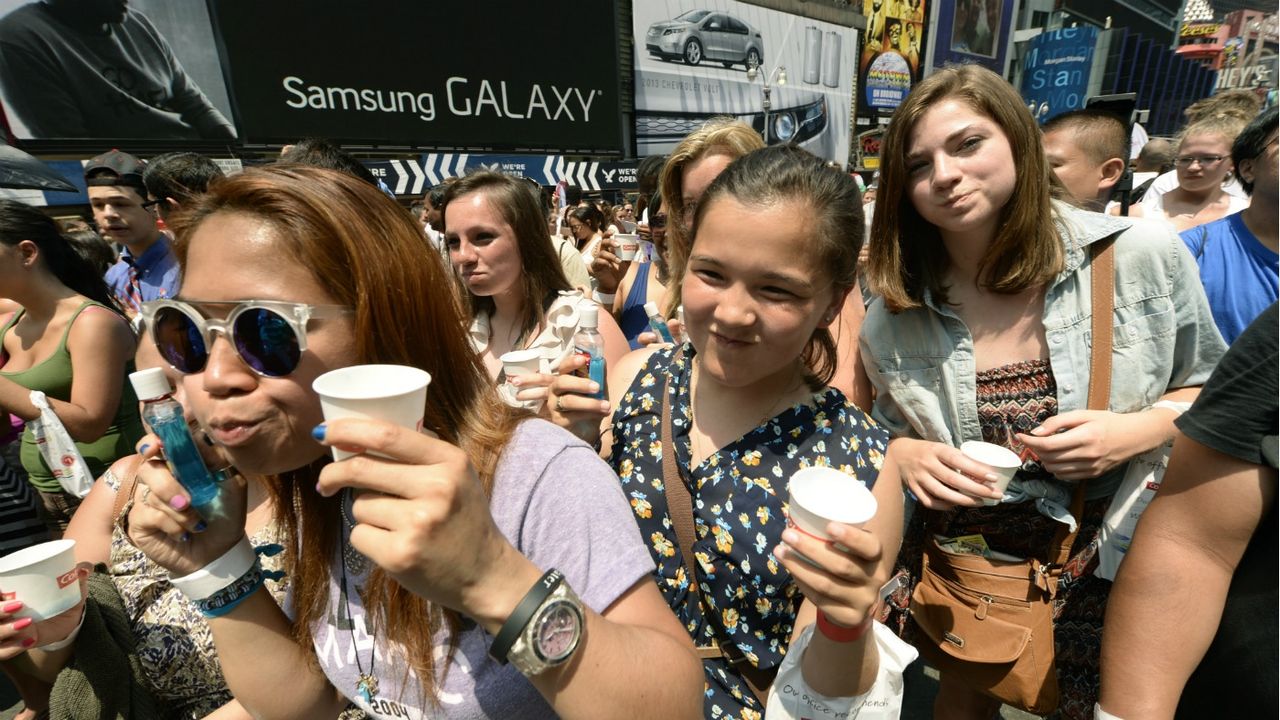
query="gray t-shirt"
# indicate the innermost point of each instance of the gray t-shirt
(558, 504)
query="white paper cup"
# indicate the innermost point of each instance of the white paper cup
(392, 393)
(627, 226)
(1003, 461)
(43, 577)
(628, 246)
(819, 495)
(522, 362)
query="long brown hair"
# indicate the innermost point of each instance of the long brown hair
(907, 256)
(718, 136)
(368, 254)
(543, 275)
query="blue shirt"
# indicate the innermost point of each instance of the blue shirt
(157, 274)
(1241, 276)
(921, 361)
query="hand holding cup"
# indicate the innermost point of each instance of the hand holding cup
(606, 267)
(829, 555)
(942, 477)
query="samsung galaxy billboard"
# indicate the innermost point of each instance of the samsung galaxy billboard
(696, 60)
(384, 73)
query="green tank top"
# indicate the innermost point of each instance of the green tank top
(53, 376)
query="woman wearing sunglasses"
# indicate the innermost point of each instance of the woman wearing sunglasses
(1203, 165)
(69, 341)
(512, 283)
(414, 563)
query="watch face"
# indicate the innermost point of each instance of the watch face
(557, 632)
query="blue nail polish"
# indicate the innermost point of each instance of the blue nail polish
(143, 450)
(201, 526)
(318, 432)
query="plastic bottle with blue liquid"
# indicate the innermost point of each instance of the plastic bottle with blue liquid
(657, 324)
(165, 417)
(588, 345)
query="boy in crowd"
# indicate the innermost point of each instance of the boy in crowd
(1088, 151)
(147, 269)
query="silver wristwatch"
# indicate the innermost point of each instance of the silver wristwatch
(551, 635)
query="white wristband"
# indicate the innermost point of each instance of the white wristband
(66, 641)
(1100, 714)
(218, 574)
(1174, 405)
(603, 298)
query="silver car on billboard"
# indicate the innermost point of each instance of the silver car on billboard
(699, 35)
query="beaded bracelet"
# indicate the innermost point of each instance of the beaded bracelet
(226, 599)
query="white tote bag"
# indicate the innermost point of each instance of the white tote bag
(1142, 479)
(790, 698)
(58, 449)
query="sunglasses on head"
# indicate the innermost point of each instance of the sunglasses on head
(269, 336)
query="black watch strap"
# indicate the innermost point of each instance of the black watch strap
(523, 613)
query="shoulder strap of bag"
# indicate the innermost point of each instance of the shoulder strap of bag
(1102, 310)
(128, 483)
(680, 509)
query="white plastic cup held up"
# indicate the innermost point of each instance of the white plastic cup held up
(392, 393)
(820, 495)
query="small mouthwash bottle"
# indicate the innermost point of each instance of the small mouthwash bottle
(165, 417)
(588, 344)
(656, 323)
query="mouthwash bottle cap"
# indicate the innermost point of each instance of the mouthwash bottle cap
(651, 308)
(589, 316)
(150, 384)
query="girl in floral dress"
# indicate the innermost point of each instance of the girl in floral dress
(749, 405)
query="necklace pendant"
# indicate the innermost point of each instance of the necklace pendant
(367, 686)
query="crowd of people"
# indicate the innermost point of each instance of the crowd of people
(549, 544)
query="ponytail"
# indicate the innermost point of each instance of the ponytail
(20, 222)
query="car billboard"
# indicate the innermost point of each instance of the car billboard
(694, 60)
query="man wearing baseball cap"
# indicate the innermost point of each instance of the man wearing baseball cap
(147, 269)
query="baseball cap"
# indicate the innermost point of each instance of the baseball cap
(115, 168)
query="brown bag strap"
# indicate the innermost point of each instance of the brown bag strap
(128, 484)
(680, 510)
(1102, 310)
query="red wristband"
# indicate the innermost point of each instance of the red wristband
(840, 633)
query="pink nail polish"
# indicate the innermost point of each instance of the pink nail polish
(22, 624)
(28, 642)
(12, 607)
(179, 502)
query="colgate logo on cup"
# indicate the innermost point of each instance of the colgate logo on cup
(68, 578)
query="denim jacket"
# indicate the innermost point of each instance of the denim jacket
(922, 365)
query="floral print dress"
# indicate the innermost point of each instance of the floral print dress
(174, 642)
(740, 504)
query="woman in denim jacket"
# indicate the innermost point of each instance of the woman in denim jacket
(980, 331)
